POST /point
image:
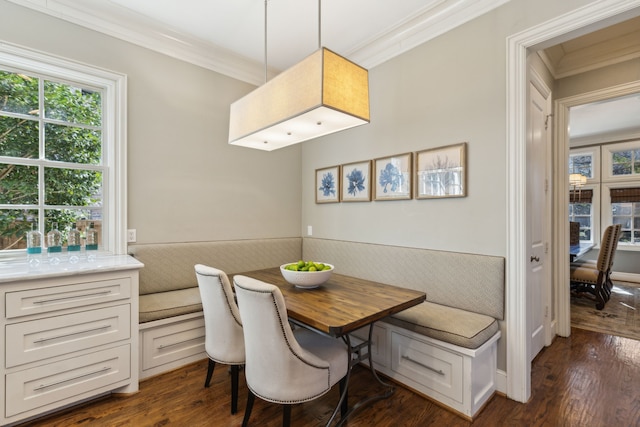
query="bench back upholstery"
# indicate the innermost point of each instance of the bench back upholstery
(170, 266)
(467, 281)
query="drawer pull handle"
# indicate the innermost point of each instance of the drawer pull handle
(47, 301)
(163, 346)
(39, 340)
(99, 371)
(437, 371)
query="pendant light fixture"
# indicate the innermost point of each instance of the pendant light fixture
(322, 94)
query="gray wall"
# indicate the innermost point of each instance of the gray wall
(185, 183)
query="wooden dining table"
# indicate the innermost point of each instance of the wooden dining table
(339, 307)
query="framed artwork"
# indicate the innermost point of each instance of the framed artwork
(328, 185)
(393, 177)
(441, 172)
(356, 182)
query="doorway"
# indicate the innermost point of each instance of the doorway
(562, 110)
(590, 17)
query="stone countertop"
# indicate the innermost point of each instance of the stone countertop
(22, 270)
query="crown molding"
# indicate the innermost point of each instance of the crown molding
(119, 22)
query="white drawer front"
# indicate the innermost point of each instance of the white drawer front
(45, 300)
(427, 365)
(37, 387)
(172, 342)
(378, 343)
(44, 338)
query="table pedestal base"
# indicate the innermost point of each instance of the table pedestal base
(355, 356)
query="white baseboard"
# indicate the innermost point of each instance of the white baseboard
(625, 277)
(501, 381)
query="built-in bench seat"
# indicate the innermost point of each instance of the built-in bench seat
(445, 348)
(171, 320)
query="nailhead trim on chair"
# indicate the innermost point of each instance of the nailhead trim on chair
(289, 402)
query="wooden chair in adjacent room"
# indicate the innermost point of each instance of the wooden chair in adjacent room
(594, 278)
(224, 338)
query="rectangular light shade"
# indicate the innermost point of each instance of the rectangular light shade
(322, 94)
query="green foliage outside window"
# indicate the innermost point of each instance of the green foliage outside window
(626, 162)
(55, 141)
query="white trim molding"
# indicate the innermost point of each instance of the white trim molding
(106, 17)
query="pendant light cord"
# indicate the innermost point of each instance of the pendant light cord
(265, 33)
(265, 41)
(319, 24)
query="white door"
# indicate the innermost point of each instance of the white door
(538, 283)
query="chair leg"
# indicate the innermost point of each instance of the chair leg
(600, 296)
(234, 388)
(247, 410)
(212, 365)
(344, 407)
(286, 415)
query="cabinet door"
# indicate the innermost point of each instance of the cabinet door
(50, 299)
(428, 365)
(166, 344)
(45, 338)
(74, 377)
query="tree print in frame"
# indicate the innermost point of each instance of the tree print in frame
(393, 177)
(441, 172)
(356, 182)
(328, 185)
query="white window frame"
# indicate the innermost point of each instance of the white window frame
(595, 161)
(607, 215)
(114, 135)
(595, 213)
(607, 161)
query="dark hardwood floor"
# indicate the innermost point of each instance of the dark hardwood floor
(590, 379)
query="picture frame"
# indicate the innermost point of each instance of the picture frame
(441, 172)
(393, 177)
(356, 182)
(328, 184)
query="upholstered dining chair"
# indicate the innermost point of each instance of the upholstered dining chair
(224, 338)
(284, 366)
(595, 278)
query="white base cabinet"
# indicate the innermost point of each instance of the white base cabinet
(169, 343)
(68, 335)
(458, 377)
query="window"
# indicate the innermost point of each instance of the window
(625, 162)
(586, 162)
(582, 164)
(625, 210)
(62, 149)
(621, 162)
(581, 211)
(584, 195)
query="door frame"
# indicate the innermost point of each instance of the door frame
(580, 21)
(561, 200)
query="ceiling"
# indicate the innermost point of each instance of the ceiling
(228, 36)
(607, 46)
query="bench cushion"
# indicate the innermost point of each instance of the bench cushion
(449, 324)
(160, 305)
